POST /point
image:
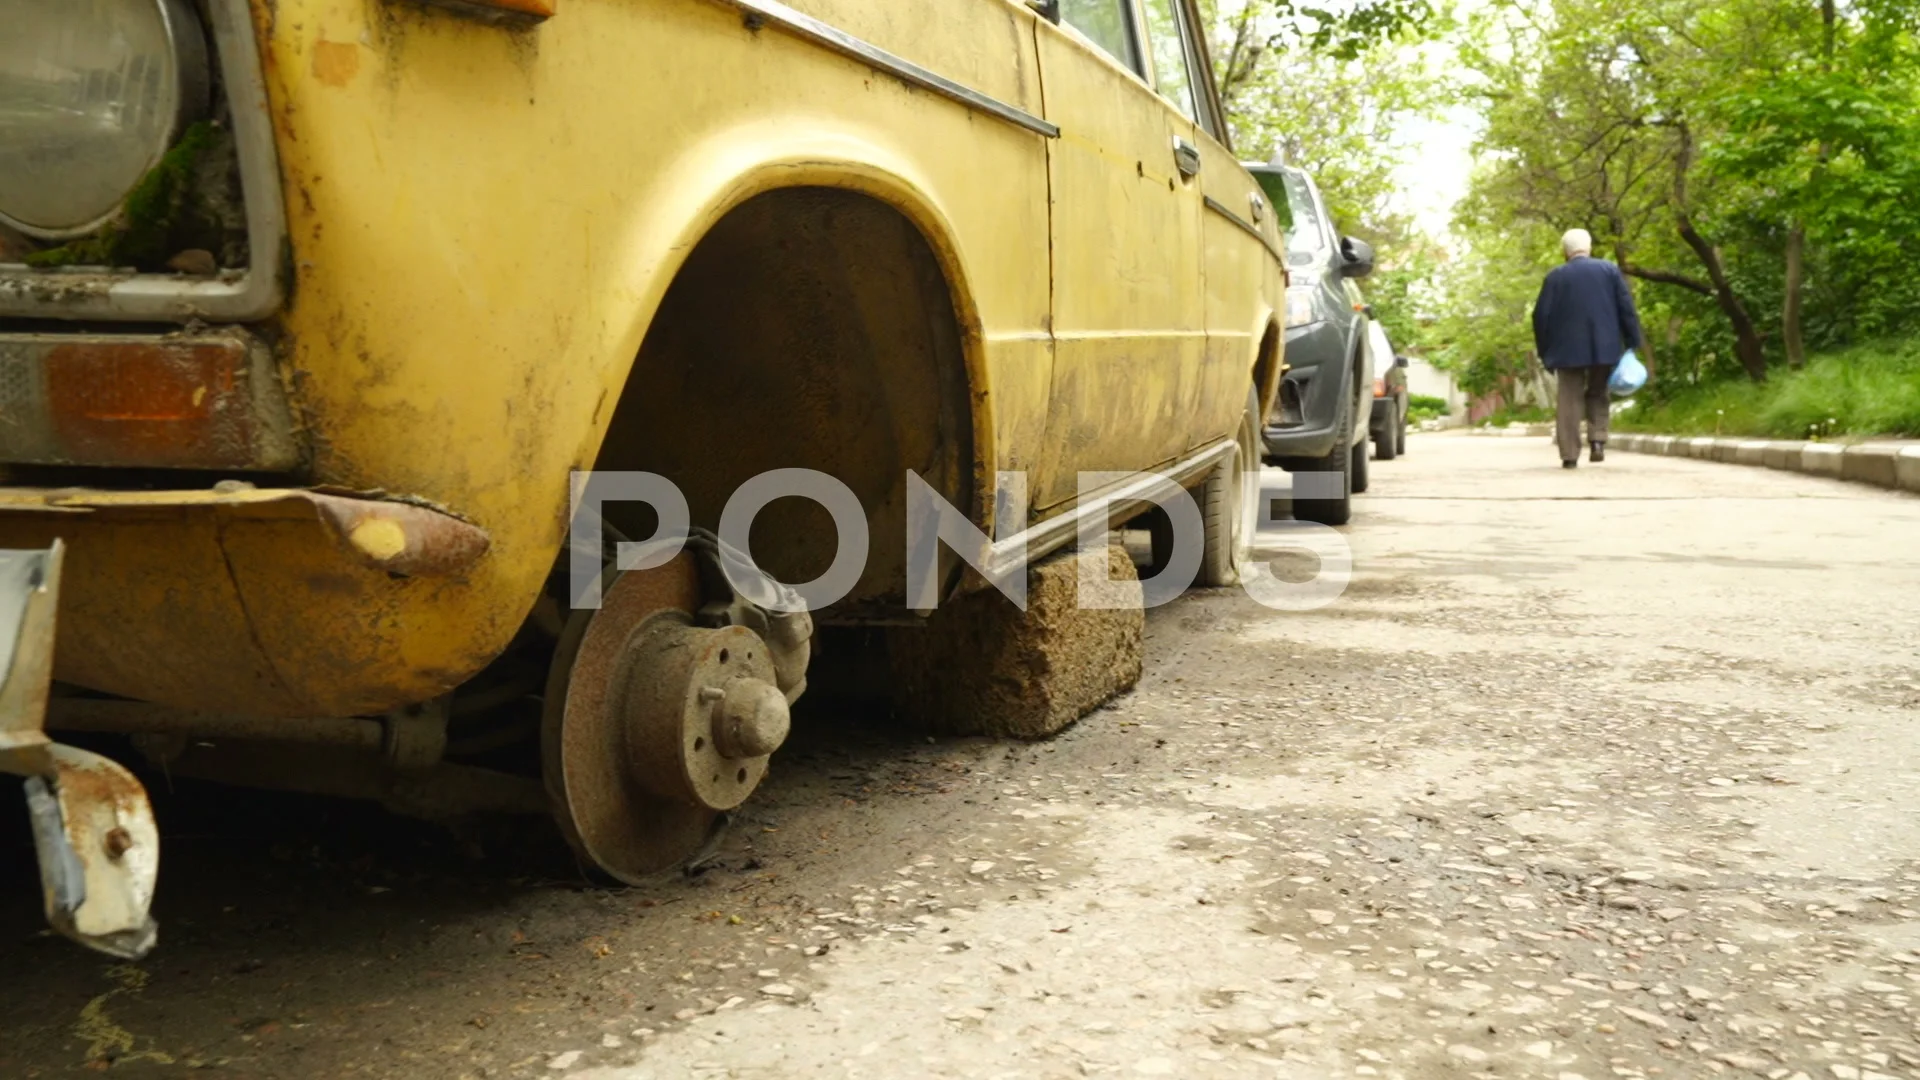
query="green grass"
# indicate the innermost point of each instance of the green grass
(1518, 414)
(1867, 390)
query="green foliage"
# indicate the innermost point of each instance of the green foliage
(1828, 139)
(1348, 33)
(1700, 141)
(1423, 407)
(1328, 92)
(1518, 414)
(1398, 294)
(1723, 407)
(1483, 335)
(1872, 389)
(1867, 390)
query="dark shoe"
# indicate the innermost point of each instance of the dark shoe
(1569, 464)
(1599, 453)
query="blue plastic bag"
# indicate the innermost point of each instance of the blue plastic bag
(1629, 375)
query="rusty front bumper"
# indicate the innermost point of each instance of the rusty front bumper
(153, 611)
(266, 602)
(93, 828)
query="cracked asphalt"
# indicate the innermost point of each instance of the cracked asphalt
(1588, 774)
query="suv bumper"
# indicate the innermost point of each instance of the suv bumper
(1307, 410)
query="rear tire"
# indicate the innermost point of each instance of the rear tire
(1360, 456)
(1338, 510)
(1223, 505)
(1387, 446)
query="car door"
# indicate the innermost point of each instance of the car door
(1240, 244)
(1184, 86)
(1129, 327)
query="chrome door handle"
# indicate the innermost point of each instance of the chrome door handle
(1186, 156)
(1259, 206)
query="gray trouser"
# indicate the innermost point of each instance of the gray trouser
(1582, 391)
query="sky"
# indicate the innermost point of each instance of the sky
(1439, 158)
(1437, 152)
(1438, 162)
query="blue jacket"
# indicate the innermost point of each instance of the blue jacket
(1584, 316)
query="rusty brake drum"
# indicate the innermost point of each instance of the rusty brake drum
(664, 704)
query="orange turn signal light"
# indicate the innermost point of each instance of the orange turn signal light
(142, 401)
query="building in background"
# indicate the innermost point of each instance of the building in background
(1426, 380)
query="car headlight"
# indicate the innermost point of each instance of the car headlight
(1300, 306)
(92, 92)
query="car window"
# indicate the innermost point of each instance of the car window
(1276, 191)
(1307, 241)
(1107, 24)
(1170, 73)
(1206, 93)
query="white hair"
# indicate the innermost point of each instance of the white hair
(1577, 242)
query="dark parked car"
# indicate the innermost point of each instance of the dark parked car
(1388, 424)
(1317, 421)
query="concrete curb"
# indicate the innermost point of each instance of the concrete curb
(1887, 463)
(1514, 431)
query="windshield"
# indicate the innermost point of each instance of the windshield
(1307, 240)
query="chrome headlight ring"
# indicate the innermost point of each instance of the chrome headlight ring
(92, 94)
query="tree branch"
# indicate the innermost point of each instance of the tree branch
(1666, 277)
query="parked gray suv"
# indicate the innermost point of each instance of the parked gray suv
(1319, 418)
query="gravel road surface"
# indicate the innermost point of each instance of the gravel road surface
(1604, 773)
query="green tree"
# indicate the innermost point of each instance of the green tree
(1826, 143)
(1732, 153)
(1483, 335)
(1329, 93)
(1590, 121)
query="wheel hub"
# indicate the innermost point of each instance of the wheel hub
(654, 724)
(701, 711)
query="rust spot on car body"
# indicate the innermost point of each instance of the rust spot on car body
(335, 63)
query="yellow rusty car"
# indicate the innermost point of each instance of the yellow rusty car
(311, 309)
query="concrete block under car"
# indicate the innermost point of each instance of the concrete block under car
(981, 666)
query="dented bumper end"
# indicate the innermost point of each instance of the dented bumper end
(269, 602)
(400, 538)
(93, 828)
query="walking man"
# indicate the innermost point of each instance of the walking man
(1583, 323)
